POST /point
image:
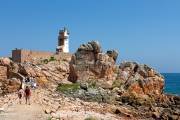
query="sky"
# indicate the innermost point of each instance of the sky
(146, 31)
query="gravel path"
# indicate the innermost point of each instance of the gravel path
(22, 111)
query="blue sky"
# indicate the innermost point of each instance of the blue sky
(146, 31)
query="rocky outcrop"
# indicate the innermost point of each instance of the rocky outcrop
(58, 106)
(90, 63)
(7, 84)
(44, 73)
(5, 61)
(140, 79)
(54, 71)
(3, 72)
(129, 90)
(113, 54)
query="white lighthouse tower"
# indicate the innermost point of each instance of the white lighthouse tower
(63, 41)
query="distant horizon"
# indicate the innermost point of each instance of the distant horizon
(142, 31)
(169, 73)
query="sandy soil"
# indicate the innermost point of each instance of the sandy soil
(23, 111)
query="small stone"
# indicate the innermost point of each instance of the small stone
(1, 110)
(84, 86)
(53, 110)
(156, 115)
(55, 115)
(47, 111)
(53, 119)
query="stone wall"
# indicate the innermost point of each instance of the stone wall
(20, 55)
(63, 56)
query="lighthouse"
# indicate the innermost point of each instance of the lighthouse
(63, 41)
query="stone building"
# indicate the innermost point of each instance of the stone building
(21, 55)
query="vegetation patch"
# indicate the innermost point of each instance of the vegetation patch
(49, 118)
(46, 61)
(52, 59)
(92, 84)
(117, 83)
(68, 88)
(91, 118)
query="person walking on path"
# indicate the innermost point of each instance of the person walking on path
(20, 95)
(27, 94)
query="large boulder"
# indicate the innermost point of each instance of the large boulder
(45, 73)
(87, 53)
(27, 69)
(13, 85)
(9, 86)
(3, 72)
(90, 63)
(5, 61)
(8, 82)
(140, 79)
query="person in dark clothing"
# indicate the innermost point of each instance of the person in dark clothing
(27, 94)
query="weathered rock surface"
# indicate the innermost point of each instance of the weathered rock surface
(3, 72)
(90, 63)
(128, 91)
(60, 107)
(141, 79)
(5, 61)
(7, 85)
(113, 54)
(44, 73)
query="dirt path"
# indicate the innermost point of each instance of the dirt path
(22, 111)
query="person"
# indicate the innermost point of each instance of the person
(27, 94)
(20, 95)
(34, 85)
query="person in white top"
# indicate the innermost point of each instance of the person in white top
(20, 95)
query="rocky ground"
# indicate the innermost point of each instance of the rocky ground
(88, 85)
(47, 104)
(50, 104)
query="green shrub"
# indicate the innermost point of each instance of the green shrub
(91, 118)
(67, 88)
(49, 118)
(52, 59)
(92, 84)
(45, 61)
(117, 83)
